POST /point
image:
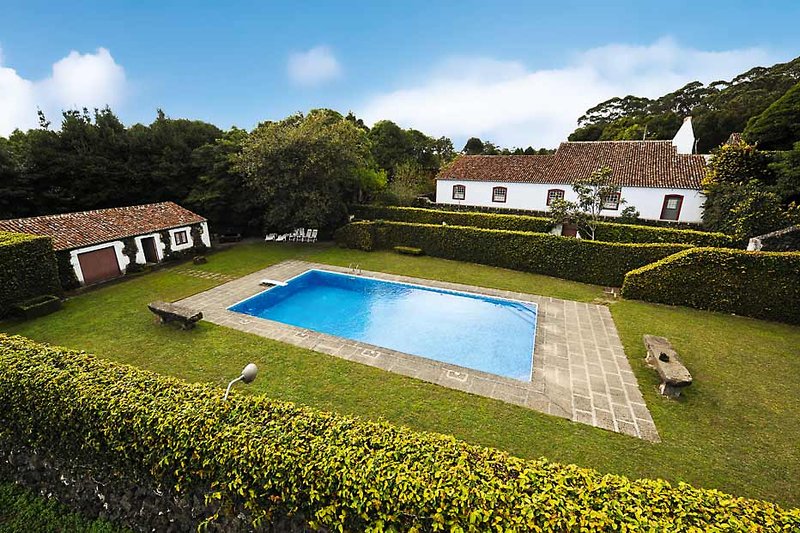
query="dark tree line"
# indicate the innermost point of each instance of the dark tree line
(91, 161)
(475, 146)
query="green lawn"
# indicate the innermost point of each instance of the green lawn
(736, 428)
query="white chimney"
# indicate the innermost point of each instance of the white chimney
(684, 139)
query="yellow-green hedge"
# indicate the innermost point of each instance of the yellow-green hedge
(606, 231)
(27, 269)
(269, 459)
(758, 284)
(602, 263)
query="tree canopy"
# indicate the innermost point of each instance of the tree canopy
(778, 127)
(91, 160)
(718, 109)
(304, 169)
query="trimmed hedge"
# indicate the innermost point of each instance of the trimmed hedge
(268, 459)
(758, 284)
(606, 231)
(27, 269)
(601, 263)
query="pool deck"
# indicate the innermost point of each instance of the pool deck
(580, 371)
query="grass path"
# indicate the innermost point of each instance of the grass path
(736, 429)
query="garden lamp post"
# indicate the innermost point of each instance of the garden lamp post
(248, 375)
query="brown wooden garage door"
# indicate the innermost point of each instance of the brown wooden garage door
(99, 265)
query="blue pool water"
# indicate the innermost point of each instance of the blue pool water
(473, 331)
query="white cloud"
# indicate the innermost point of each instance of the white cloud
(511, 105)
(313, 67)
(78, 80)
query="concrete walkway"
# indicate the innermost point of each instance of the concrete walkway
(580, 371)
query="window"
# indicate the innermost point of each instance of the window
(612, 201)
(554, 194)
(499, 194)
(671, 209)
(459, 192)
(181, 237)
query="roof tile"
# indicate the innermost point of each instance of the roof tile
(633, 164)
(76, 230)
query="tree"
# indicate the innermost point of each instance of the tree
(743, 196)
(786, 169)
(745, 210)
(161, 156)
(474, 146)
(778, 127)
(390, 144)
(220, 192)
(357, 121)
(593, 193)
(305, 168)
(10, 191)
(737, 163)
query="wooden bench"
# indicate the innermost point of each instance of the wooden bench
(168, 312)
(664, 359)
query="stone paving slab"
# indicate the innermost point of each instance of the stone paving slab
(580, 371)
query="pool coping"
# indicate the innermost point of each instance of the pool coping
(580, 371)
(414, 285)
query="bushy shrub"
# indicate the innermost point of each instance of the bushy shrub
(27, 269)
(267, 459)
(605, 231)
(66, 273)
(758, 284)
(602, 263)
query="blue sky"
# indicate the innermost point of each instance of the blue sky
(518, 73)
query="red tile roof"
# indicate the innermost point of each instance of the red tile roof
(633, 164)
(76, 230)
(524, 168)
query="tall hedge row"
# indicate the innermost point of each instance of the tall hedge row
(602, 263)
(606, 231)
(27, 269)
(269, 459)
(758, 284)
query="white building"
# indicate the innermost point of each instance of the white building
(103, 244)
(661, 179)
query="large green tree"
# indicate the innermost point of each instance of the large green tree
(390, 145)
(740, 190)
(305, 169)
(10, 191)
(221, 193)
(785, 167)
(778, 127)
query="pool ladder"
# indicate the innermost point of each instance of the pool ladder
(354, 268)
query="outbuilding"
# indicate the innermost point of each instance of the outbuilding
(95, 246)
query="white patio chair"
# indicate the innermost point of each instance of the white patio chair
(270, 237)
(281, 238)
(312, 235)
(300, 235)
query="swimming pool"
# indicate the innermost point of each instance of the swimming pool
(493, 335)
